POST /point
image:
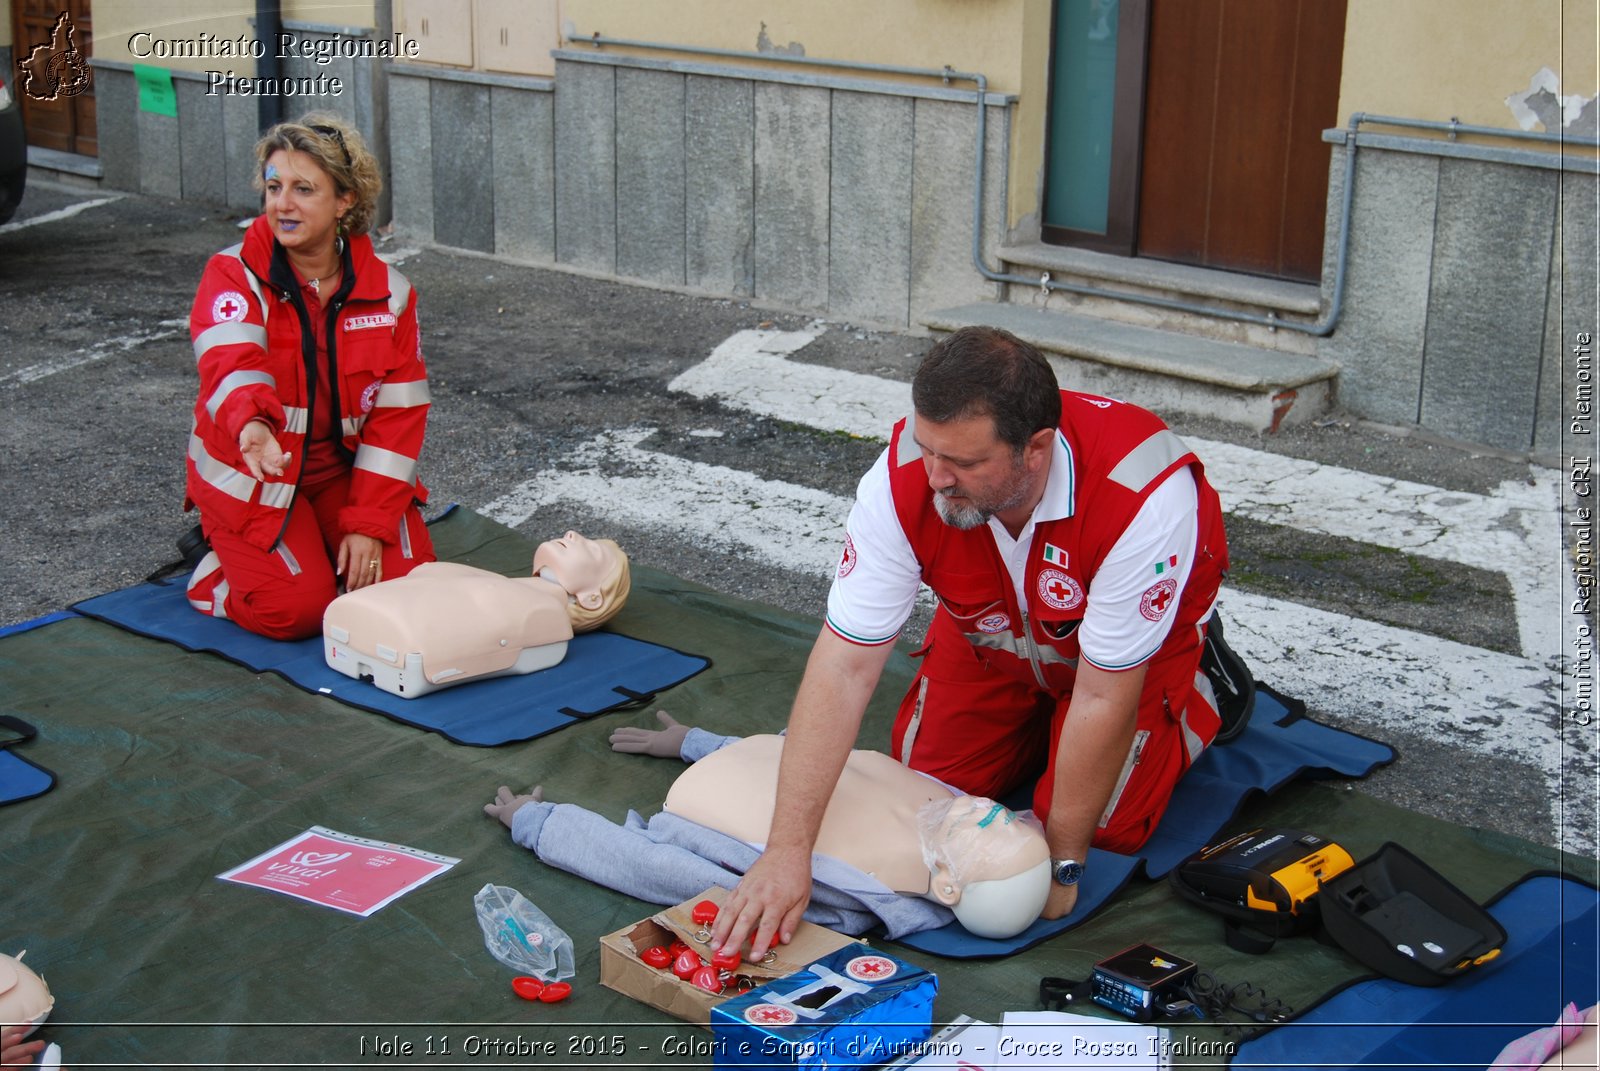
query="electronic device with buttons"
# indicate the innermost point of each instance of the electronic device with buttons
(1139, 982)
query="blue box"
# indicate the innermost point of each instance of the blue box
(856, 1007)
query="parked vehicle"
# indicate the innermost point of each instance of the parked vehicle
(13, 152)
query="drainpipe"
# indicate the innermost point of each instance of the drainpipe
(269, 24)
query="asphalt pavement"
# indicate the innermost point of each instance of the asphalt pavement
(539, 373)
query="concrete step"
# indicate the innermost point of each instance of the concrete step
(1275, 299)
(1165, 371)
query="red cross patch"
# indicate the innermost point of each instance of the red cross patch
(770, 1015)
(1058, 590)
(1154, 602)
(228, 307)
(871, 968)
(847, 563)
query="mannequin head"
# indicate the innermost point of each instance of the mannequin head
(24, 998)
(594, 573)
(987, 864)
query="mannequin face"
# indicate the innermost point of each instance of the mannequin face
(988, 865)
(578, 564)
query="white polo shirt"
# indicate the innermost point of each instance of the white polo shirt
(876, 583)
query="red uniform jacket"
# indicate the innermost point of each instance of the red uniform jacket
(255, 351)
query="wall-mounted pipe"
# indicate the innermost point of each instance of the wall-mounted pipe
(269, 24)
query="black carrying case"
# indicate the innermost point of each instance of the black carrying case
(1402, 918)
(1391, 911)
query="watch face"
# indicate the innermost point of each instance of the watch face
(1068, 871)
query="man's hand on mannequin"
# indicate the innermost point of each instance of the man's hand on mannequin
(768, 902)
(1063, 898)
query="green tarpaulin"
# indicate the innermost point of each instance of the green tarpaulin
(174, 767)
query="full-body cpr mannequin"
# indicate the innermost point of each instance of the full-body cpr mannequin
(887, 828)
(445, 623)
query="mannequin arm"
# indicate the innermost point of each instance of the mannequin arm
(663, 743)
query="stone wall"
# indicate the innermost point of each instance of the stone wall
(849, 198)
(1470, 271)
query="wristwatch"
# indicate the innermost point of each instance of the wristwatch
(1066, 871)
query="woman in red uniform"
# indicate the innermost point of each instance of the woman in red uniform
(313, 395)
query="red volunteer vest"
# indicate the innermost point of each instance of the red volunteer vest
(1118, 454)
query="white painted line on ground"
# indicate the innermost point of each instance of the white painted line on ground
(1512, 530)
(59, 214)
(1356, 671)
(797, 528)
(108, 347)
(398, 256)
(748, 371)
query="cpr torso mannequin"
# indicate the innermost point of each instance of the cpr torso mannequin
(446, 623)
(891, 838)
(989, 866)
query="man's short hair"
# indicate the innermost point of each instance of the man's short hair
(985, 371)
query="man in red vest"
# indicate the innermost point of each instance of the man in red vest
(1076, 550)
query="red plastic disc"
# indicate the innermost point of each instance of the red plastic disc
(704, 913)
(707, 978)
(678, 948)
(726, 961)
(657, 957)
(528, 987)
(686, 964)
(555, 991)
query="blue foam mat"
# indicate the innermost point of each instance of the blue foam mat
(20, 779)
(1278, 745)
(1549, 959)
(602, 671)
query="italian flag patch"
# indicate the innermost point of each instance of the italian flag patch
(1170, 563)
(1055, 555)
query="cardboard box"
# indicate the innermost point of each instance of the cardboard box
(856, 1007)
(621, 968)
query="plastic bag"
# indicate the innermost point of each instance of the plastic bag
(521, 936)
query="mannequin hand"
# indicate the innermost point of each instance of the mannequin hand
(13, 1050)
(506, 803)
(766, 905)
(259, 448)
(1061, 901)
(360, 561)
(663, 743)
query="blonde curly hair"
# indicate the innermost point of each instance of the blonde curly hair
(338, 149)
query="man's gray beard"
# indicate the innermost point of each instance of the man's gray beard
(962, 517)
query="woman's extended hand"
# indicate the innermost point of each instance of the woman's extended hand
(259, 448)
(360, 561)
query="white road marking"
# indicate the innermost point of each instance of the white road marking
(1512, 530)
(1355, 671)
(797, 528)
(59, 214)
(106, 347)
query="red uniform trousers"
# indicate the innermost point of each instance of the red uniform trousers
(987, 733)
(281, 593)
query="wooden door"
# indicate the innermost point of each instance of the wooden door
(53, 40)
(1235, 172)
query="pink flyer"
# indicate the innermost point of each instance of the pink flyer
(337, 870)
